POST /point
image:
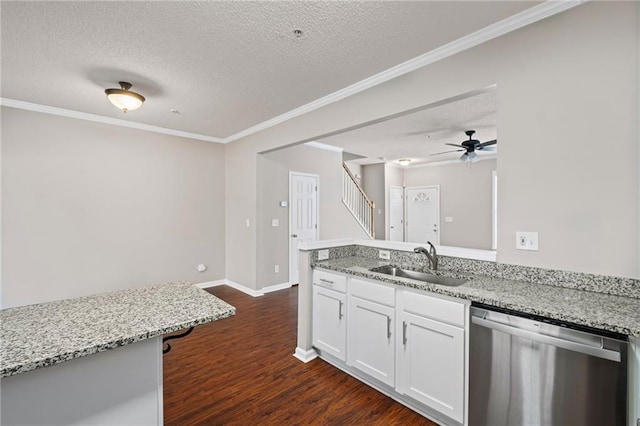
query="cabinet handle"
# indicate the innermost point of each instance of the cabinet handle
(340, 309)
(388, 327)
(404, 333)
(322, 280)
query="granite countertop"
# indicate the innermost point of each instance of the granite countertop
(613, 313)
(40, 335)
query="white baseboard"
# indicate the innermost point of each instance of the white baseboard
(208, 284)
(276, 287)
(304, 355)
(244, 289)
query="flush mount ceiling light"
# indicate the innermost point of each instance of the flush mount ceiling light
(404, 161)
(123, 98)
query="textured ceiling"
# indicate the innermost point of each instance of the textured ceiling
(226, 66)
(420, 134)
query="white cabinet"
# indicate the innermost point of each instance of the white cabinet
(431, 362)
(413, 342)
(370, 336)
(329, 314)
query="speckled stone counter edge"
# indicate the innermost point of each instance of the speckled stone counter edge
(24, 366)
(617, 286)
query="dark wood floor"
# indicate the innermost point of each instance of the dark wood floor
(241, 371)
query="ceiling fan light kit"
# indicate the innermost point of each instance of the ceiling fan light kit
(123, 98)
(470, 147)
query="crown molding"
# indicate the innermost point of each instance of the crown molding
(325, 146)
(28, 106)
(522, 19)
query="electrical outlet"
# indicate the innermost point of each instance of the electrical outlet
(323, 254)
(384, 254)
(527, 241)
(276, 269)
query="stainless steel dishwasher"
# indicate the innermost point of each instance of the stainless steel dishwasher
(528, 370)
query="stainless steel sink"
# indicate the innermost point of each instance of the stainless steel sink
(420, 276)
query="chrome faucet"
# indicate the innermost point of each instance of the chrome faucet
(431, 255)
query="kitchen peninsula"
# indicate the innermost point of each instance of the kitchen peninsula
(122, 331)
(343, 296)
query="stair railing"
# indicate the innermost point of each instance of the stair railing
(360, 206)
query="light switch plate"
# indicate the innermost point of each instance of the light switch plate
(384, 254)
(448, 219)
(527, 241)
(323, 254)
(275, 223)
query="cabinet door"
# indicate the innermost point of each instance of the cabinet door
(329, 322)
(371, 343)
(431, 364)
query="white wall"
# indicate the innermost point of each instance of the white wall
(568, 124)
(465, 196)
(335, 221)
(89, 208)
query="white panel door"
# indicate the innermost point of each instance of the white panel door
(396, 213)
(329, 322)
(423, 214)
(370, 340)
(303, 216)
(431, 364)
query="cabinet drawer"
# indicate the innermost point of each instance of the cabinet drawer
(372, 292)
(329, 280)
(432, 307)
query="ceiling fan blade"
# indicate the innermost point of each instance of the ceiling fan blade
(453, 144)
(487, 143)
(447, 152)
(486, 149)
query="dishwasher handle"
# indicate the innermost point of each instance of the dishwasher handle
(549, 340)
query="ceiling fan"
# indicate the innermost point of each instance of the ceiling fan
(470, 147)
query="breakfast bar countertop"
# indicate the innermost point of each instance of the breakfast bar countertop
(604, 311)
(36, 336)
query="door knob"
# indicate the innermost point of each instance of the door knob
(294, 235)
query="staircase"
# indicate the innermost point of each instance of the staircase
(360, 206)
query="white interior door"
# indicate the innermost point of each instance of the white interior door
(303, 216)
(422, 214)
(396, 213)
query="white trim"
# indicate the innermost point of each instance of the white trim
(325, 146)
(291, 174)
(522, 19)
(208, 284)
(234, 285)
(28, 106)
(304, 355)
(244, 289)
(512, 23)
(322, 244)
(276, 287)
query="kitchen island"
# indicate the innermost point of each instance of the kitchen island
(121, 382)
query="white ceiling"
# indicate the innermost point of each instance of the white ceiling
(226, 66)
(420, 134)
